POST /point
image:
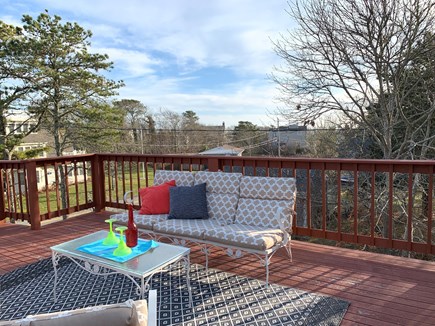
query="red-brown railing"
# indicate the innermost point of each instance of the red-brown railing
(40, 189)
(382, 203)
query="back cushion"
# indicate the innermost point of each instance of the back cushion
(222, 207)
(222, 194)
(262, 212)
(220, 182)
(182, 178)
(260, 197)
(268, 188)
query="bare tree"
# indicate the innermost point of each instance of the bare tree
(348, 56)
(170, 123)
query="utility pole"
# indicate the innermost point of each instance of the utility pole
(279, 137)
(223, 133)
(142, 150)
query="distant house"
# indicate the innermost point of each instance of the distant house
(225, 150)
(20, 123)
(291, 137)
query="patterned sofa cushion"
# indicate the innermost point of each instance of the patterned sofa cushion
(133, 313)
(222, 194)
(187, 228)
(262, 212)
(268, 188)
(245, 236)
(222, 207)
(142, 221)
(219, 182)
(182, 178)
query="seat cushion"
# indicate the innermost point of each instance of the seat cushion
(245, 236)
(187, 228)
(182, 178)
(145, 222)
(268, 188)
(219, 182)
(263, 212)
(133, 313)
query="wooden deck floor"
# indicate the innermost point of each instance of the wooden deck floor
(382, 290)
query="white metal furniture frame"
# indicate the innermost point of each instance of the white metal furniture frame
(143, 267)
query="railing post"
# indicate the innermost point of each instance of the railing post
(2, 197)
(98, 194)
(33, 196)
(213, 164)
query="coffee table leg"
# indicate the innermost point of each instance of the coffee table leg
(55, 261)
(142, 289)
(186, 261)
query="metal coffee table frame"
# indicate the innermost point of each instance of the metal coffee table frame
(154, 261)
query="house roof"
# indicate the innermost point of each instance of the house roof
(223, 150)
(42, 136)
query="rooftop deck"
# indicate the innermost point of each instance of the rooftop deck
(382, 290)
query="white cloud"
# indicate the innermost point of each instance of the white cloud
(209, 33)
(133, 63)
(246, 102)
(157, 46)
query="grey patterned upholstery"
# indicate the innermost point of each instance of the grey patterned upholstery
(145, 222)
(186, 228)
(220, 182)
(222, 194)
(246, 213)
(239, 235)
(222, 207)
(260, 198)
(182, 178)
(268, 188)
(263, 212)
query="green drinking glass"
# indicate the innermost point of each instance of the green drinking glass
(122, 249)
(111, 238)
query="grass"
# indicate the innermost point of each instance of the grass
(79, 193)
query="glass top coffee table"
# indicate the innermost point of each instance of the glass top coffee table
(143, 267)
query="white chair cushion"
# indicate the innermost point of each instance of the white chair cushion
(133, 313)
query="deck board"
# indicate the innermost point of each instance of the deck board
(382, 289)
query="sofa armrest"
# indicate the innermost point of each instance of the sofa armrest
(282, 217)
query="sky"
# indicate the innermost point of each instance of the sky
(212, 57)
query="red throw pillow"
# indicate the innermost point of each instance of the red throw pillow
(155, 200)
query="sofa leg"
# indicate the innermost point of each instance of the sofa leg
(206, 251)
(288, 248)
(266, 262)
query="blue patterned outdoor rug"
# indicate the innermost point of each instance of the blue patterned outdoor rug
(219, 298)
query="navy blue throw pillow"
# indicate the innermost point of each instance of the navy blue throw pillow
(188, 202)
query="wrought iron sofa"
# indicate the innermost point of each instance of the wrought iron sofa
(133, 313)
(247, 214)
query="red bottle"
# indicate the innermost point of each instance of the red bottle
(131, 232)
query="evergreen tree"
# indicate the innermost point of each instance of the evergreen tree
(70, 88)
(16, 79)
